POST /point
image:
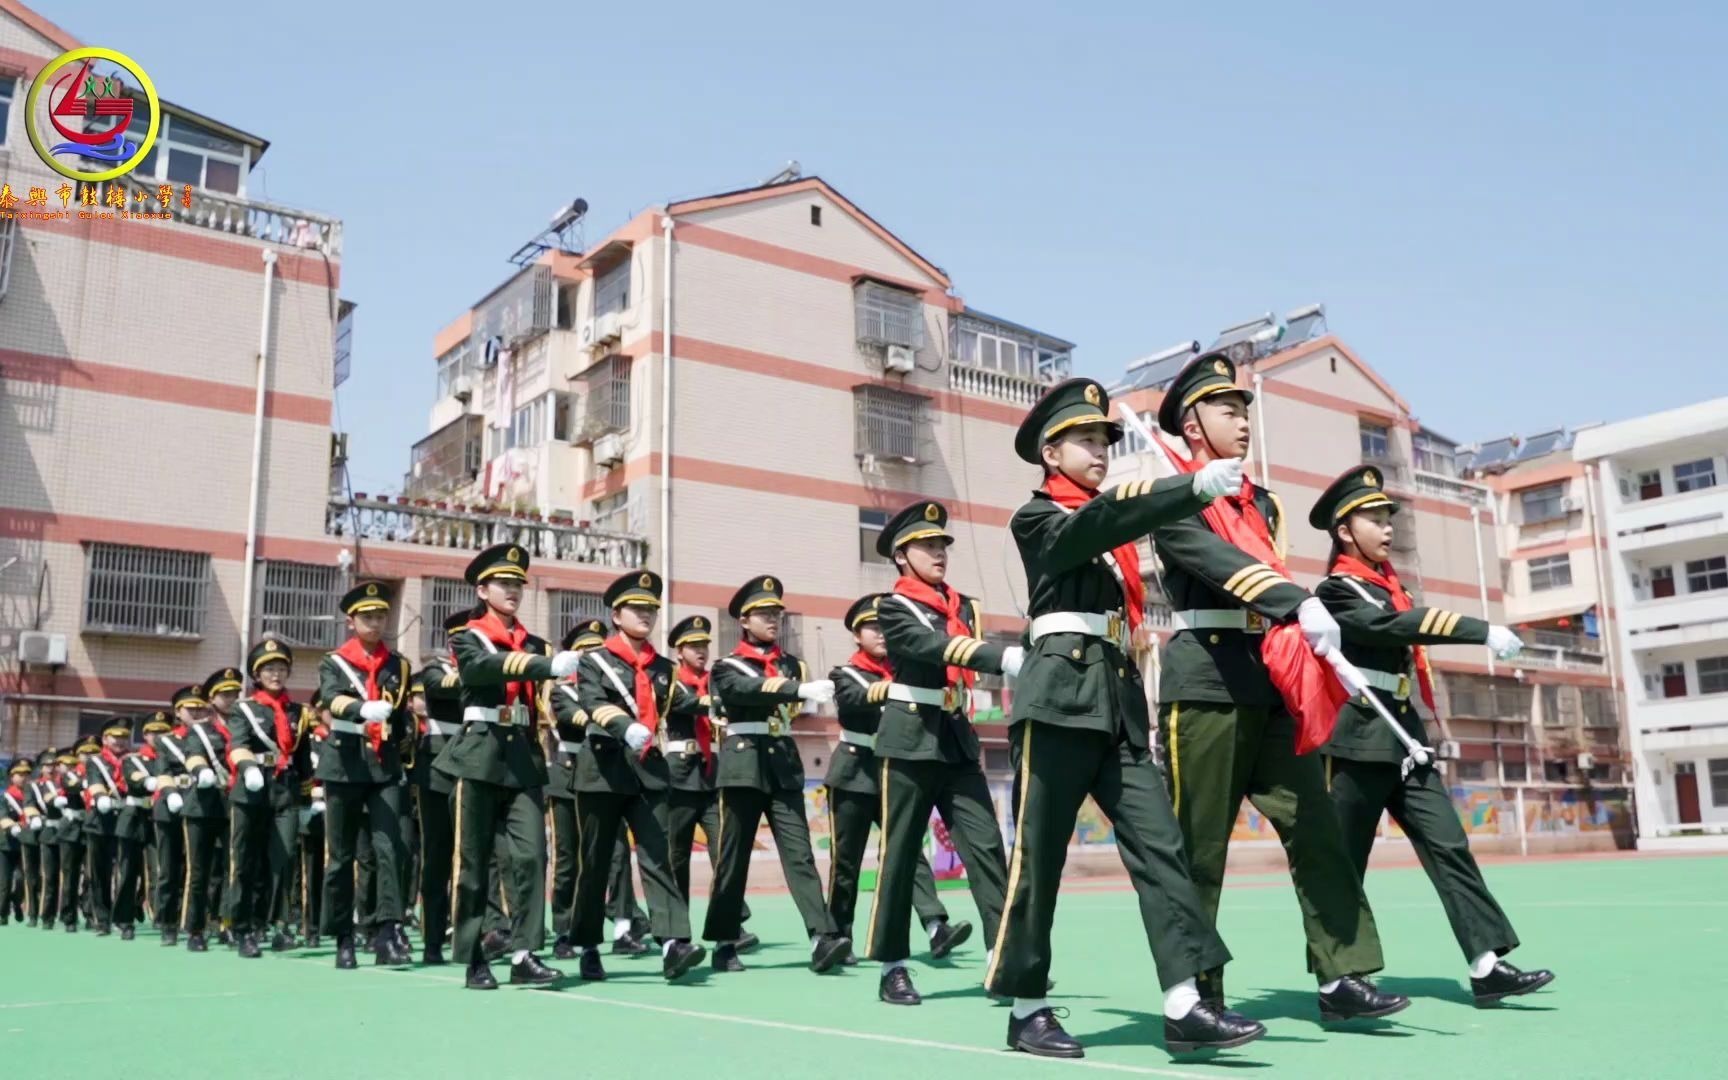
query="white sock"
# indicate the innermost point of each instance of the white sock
(1024, 1007)
(591, 950)
(892, 965)
(1180, 999)
(620, 927)
(518, 956)
(1327, 988)
(1482, 965)
(815, 943)
(989, 958)
(666, 947)
(933, 927)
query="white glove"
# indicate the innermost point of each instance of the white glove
(104, 805)
(375, 712)
(1504, 643)
(254, 779)
(37, 824)
(1319, 628)
(1013, 659)
(206, 777)
(175, 802)
(16, 831)
(1221, 477)
(819, 692)
(636, 736)
(149, 783)
(317, 807)
(564, 664)
(60, 801)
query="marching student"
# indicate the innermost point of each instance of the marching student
(16, 828)
(71, 835)
(567, 735)
(222, 690)
(432, 793)
(105, 803)
(138, 771)
(196, 757)
(265, 800)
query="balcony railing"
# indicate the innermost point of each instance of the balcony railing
(1392, 466)
(1562, 659)
(1446, 487)
(982, 382)
(459, 528)
(241, 216)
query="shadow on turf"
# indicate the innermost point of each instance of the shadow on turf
(1298, 1005)
(1147, 1029)
(1455, 992)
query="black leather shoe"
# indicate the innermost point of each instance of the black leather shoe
(639, 927)
(591, 969)
(680, 957)
(33, 922)
(1209, 1028)
(948, 937)
(1042, 1034)
(629, 945)
(749, 942)
(897, 989)
(726, 959)
(313, 940)
(224, 938)
(830, 949)
(196, 943)
(127, 933)
(562, 949)
(345, 960)
(433, 956)
(388, 950)
(480, 977)
(249, 947)
(71, 928)
(531, 972)
(494, 945)
(170, 938)
(103, 929)
(283, 941)
(851, 958)
(403, 945)
(1507, 981)
(1356, 999)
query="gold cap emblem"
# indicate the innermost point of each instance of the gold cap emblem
(768, 584)
(1221, 368)
(646, 581)
(514, 555)
(931, 512)
(371, 590)
(1371, 478)
(699, 623)
(1092, 394)
(270, 646)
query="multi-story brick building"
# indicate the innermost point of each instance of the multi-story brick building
(1658, 481)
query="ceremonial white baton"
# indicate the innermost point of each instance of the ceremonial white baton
(1355, 682)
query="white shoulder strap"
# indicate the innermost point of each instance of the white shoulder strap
(174, 747)
(1356, 586)
(741, 666)
(198, 729)
(1109, 558)
(483, 639)
(617, 683)
(571, 690)
(354, 676)
(917, 611)
(257, 729)
(857, 678)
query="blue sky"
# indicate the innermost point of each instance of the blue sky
(1519, 217)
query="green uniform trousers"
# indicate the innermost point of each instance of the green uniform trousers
(1057, 769)
(850, 816)
(71, 875)
(11, 898)
(437, 849)
(621, 885)
(48, 880)
(365, 882)
(600, 819)
(311, 871)
(261, 843)
(492, 818)
(1216, 754)
(684, 810)
(741, 811)
(32, 867)
(1422, 807)
(100, 853)
(201, 864)
(960, 794)
(128, 881)
(561, 818)
(218, 880)
(347, 809)
(170, 858)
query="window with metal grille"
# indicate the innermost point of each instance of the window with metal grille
(8, 240)
(8, 89)
(888, 423)
(1468, 770)
(888, 316)
(1559, 706)
(570, 607)
(1376, 441)
(607, 408)
(1545, 503)
(299, 604)
(612, 289)
(439, 599)
(141, 590)
(1515, 772)
(1707, 575)
(1551, 572)
(1598, 707)
(1695, 475)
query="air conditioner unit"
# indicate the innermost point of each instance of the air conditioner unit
(36, 647)
(1448, 750)
(609, 450)
(1572, 504)
(1586, 762)
(603, 331)
(899, 359)
(462, 388)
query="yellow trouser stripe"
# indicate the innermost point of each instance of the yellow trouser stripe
(881, 863)
(186, 884)
(1328, 772)
(1175, 759)
(1019, 853)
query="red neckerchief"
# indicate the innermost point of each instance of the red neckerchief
(1387, 578)
(370, 664)
(284, 730)
(769, 658)
(697, 683)
(863, 661)
(509, 639)
(1066, 493)
(947, 601)
(639, 656)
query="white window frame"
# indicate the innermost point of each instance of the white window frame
(1541, 497)
(8, 94)
(158, 161)
(1718, 769)
(1701, 475)
(174, 585)
(1369, 431)
(1542, 572)
(1713, 569)
(1718, 672)
(871, 522)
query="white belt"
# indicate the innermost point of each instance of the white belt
(72, 815)
(682, 746)
(137, 801)
(433, 727)
(265, 760)
(1396, 685)
(757, 727)
(565, 747)
(347, 727)
(508, 715)
(858, 738)
(1250, 622)
(948, 700)
(1100, 624)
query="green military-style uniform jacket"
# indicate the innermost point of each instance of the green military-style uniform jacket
(505, 754)
(105, 779)
(347, 755)
(1378, 638)
(859, 696)
(689, 709)
(201, 745)
(606, 764)
(1081, 680)
(1204, 572)
(921, 650)
(748, 695)
(569, 737)
(136, 815)
(252, 726)
(161, 767)
(443, 723)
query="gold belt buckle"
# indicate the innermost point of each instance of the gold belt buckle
(774, 726)
(1113, 627)
(950, 698)
(1256, 622)
(513, 715)
(1404, 687)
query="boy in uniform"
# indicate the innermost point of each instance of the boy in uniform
(568, 735)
